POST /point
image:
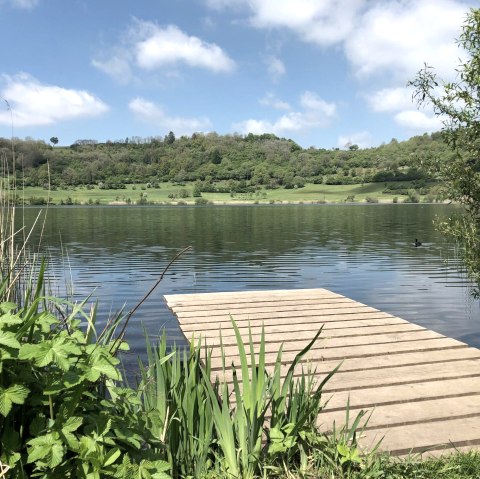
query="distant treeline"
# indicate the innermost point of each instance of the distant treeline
(218, 162)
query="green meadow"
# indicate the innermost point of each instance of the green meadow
(171, 193)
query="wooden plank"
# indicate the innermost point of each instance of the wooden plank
(213, 331)
(385, 361)
(396, 394)
(424, 387)
(247, 296)
(348, 381)
(323, 354)
(274, 315)
(443, 434)
(296, 345)
(284, 333)
(276, 303)
(210, 315)
(402, 374)
(311, 323)
(430, 410)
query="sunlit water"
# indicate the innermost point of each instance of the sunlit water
(363, 252)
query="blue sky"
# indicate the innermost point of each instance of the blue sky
(325, 73)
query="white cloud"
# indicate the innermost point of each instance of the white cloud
(398, 101)
(386, 42)
(33, 103)
(154, 114)
(325, 22)
(313, 103)
(276, 68)
(316, 113)
(151, 47)
(270, 100)
(169, 46)
(116, 66)
(418, 121)
(378, 37)
(363, 139)
(397, 37)
(390, 99)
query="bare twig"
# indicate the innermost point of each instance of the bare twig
(119, 339)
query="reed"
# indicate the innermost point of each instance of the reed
(259, 422)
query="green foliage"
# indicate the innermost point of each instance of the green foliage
(249, 162)
(63, 410)
(174, 395)
(455, 466)
(248, 421)
(197, 190)
(412, 197)
(458, 105)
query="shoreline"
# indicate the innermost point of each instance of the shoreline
(234, 203)
(170, 194)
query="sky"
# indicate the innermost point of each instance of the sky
(325, 73)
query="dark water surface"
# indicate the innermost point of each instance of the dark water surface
(363, 252)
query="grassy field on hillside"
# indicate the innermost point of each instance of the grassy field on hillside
(169, 193)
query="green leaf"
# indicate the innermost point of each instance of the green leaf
(9, 445)
(72, 424)
(7, 307)
(9, 319)
(153, 469)
(71, 440)
(46, 450)
(15, 394)
(101, 364)
(7, 338)
(58, 351)
(56, 455)
(111, 457)
(69, 380)
(276, 435)
(37, 425)
(343, 450)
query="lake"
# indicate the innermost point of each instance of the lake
(365, 252)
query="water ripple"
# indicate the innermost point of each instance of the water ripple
(364, 252)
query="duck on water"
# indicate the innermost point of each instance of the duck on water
(417, 243)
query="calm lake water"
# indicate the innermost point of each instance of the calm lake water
(363, 252)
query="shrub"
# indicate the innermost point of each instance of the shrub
(412, 197)
(183, 193)
(197, 190)
(37, 200)
(64, 412)
(371, 199)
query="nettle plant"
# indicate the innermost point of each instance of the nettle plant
(63, 410)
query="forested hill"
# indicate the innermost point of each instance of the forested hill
(229, 160)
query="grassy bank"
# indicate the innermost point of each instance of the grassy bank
(169, 193)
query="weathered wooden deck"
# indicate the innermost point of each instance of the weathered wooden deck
(423, 387)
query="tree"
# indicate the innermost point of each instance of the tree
(170, 138)
(457, 104)
(54, 140)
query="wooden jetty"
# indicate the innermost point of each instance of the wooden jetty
(423, 387)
